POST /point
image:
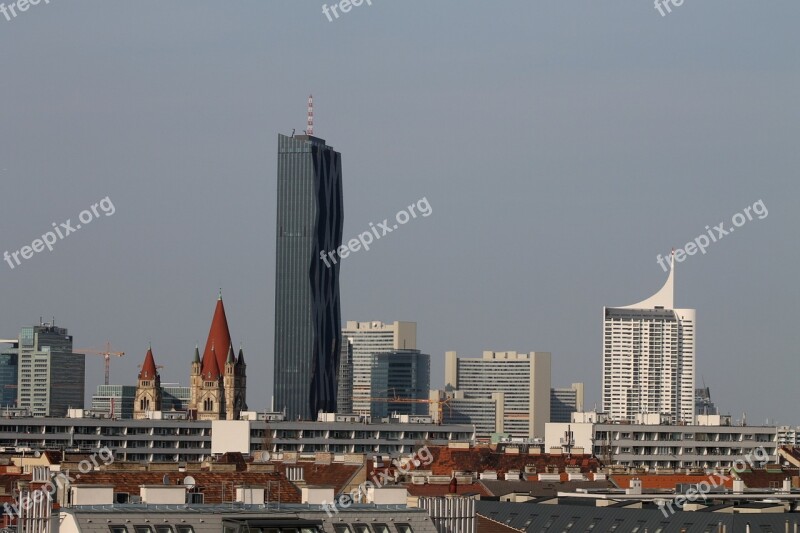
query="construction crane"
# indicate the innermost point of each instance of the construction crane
(107, 353)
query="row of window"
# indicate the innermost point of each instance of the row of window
(160, 528)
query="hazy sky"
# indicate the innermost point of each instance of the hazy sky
(562, 145)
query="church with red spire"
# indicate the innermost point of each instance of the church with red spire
(218, 382)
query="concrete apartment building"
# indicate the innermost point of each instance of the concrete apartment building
(368, 339)
(523, 380)
(652, 442)
(649, 358)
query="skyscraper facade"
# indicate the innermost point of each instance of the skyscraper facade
(649, 358)
(51, 377)
(344, 401)
(368, 339)
(9, 368)
(522, 378)
(307, 311)
(564, 402)
(404, 375)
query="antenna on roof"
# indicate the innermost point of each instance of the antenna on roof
(310, 129)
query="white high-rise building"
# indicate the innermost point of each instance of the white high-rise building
(649, 358)
(520, 382)
(368, 339)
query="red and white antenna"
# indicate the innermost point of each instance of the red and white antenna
(310, 129)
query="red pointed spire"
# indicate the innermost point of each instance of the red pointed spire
(148, 370)
(218, 335)
(210, 371)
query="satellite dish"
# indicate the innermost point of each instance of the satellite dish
(189, 482)
(37, 454)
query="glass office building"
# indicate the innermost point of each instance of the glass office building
(8, 375)
(404, 375)
(307, 312)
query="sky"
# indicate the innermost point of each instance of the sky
(560, 145)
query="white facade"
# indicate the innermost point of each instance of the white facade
(649, 358)
(369, 338)
(523, 378)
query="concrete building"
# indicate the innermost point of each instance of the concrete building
(649, 358)
(485, 414)
(50, 377)
(115, 401)
(307, 310)
(368, 339)
(702, 402)
(524, 380)
(169, 440)
(564, 402)
(9, 367)
(404, 375)
(648, 443)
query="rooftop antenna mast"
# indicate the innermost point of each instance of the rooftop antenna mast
(310, 130)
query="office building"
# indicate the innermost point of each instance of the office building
(307, 309)
(8, 372)
(484, 413)
(564, 402)
(51, 377)
(702, 402)
(116, 401)
(649, 358)
(523, 378)
(403, 379)
(368, 339)
(344, 401)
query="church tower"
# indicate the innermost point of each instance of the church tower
(218, 379)
(148, 388)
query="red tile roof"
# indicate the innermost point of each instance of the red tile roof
(148, 370)
(447, 460)
(654, 481)
(217, 487)
(218, 343)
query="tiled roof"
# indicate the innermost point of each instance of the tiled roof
(446, 460)
(487, 525)
(148, 370)
(335, 475)
(217, 487)
(443, 490)
(762, 479)
(654, 482)
(541, 488)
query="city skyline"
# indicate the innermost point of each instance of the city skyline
(621, 147)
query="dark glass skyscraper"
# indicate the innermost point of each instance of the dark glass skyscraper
(307, 313)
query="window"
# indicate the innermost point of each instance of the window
(118, 529)
(163, 529)
(121, 497)
(142, 529)
(184, 529)
(341, 528)
(361, 528)
(193, 497)
(404, 528)
(380, 528)
(593, 524)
